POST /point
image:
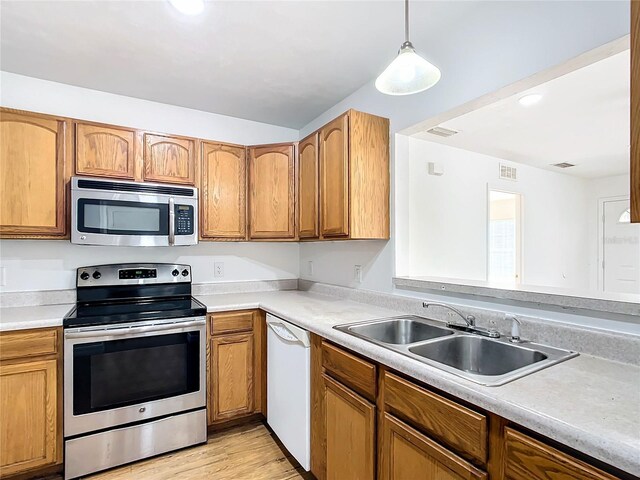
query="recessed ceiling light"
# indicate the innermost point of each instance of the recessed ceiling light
(188, 7)
(530, 99)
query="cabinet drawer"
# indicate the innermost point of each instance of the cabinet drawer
(353, 371)
(29, 343)
(231, 322)
(529, 459)
(458, 427)
(408, 454)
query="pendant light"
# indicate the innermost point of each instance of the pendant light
(409, 72)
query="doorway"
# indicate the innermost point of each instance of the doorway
(620, 247)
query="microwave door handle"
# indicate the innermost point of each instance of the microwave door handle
(172, 222)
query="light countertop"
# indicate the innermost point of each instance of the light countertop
(587, 403)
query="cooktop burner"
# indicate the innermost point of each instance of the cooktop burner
(121, 312)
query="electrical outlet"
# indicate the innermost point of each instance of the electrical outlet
(218, 269)
(310, 268)
(3, 276)
(357, 273)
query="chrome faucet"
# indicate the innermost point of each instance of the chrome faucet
(515, 328)
(469, 320)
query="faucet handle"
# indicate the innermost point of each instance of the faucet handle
(515, 328)
(471, 320)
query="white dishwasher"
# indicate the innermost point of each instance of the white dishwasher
(288, 387)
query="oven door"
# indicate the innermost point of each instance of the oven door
(130, 218)
(133, 372)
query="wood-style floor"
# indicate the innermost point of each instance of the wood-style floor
(248, 452)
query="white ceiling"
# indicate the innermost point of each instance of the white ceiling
(583, 118)
(280, 62)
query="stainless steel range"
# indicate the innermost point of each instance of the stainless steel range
(134, 366)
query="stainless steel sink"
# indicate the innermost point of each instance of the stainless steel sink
(478, 355)
(487, 361)
(398, 331)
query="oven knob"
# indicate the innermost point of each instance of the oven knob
(175, 273)
(84, 276)
(185, 272)
(97, 275)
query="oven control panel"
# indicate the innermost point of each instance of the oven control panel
(136, 273)
(132, 273)
(184, 220)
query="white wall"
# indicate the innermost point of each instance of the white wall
(51, 264)
(448, 218)
(36, 95)
(504, 42)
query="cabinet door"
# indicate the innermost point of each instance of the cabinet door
(272, 192)
(169, 159)
(105, 151)
(231, 377)
(223, 191)
(334, 178)
(406, 454)
(33, 153)
(308, 195)
(350, 433)
(28, 416)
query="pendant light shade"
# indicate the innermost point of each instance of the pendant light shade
(409, 72)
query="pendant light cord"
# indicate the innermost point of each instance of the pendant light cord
(406, 20)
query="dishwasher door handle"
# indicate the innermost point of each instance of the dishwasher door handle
(284, 333)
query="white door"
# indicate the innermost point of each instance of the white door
(621, 249)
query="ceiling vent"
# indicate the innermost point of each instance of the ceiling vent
(442, 132)
(563, 165)
(508, 173)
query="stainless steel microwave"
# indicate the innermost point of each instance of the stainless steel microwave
(108, 212)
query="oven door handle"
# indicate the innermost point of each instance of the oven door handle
(128, 331)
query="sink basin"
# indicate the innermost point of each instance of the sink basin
(478, 355)
(398, 331)
(487, 361)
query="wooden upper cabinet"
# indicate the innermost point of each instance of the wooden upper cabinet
(407, 454)
(33, 164)
(635, 111)
(350, 433)
(272, 192)
(308, 192)
(223, 192)
(169, 159)
(105, 151)
(354, 177)
(334, 177)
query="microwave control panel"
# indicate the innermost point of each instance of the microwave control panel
(184, 220)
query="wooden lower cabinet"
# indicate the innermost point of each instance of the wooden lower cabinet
(350, 433)
(406, 454)
(414, 432)
(236, 370)
(30, 404)
(526, 458)
(231, 376)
